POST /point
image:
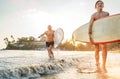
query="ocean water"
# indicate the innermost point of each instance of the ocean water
(19, 64)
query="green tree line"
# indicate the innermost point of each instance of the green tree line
(30, 43)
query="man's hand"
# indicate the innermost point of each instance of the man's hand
(91, 39)
(38, 36)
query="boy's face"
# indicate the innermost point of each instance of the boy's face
(99, 5)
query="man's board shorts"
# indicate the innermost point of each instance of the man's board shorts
(49, 43)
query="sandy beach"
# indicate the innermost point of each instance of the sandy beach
(18, 64)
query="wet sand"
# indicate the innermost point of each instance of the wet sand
(66, 65)
(84, 69)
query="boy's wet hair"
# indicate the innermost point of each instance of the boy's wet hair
(97, 2)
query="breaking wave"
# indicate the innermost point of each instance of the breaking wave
(35, 71)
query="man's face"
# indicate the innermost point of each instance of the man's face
(99, 5)
(49, 27)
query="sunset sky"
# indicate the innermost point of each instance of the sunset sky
(31, 17)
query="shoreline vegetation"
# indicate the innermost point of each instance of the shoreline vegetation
(30, 43)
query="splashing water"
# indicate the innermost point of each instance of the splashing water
(16, 64)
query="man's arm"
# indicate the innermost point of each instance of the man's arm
(42, 34)
(108, 14)
(90, 28)
(90, 25)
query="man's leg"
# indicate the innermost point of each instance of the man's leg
(48, 49)
(97, 57)
(104, 57)
(51, 52)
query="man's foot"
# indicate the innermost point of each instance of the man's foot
(104, 70)
(98, 70)
(51, 57)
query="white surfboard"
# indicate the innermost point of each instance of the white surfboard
(58, 37)
(105, 30)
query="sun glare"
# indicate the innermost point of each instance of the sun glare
(35, 21)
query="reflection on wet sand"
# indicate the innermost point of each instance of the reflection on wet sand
(106, 76)
(49, 77)
(85, 69)
(102, 76)
(74, 75)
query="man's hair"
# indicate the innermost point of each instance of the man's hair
(49, 26)
(97, 2)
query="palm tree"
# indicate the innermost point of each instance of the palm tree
(13, 40)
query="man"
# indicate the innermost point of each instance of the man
(50, 41)
(98, 15)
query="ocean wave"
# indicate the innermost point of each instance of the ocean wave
(35, 71)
